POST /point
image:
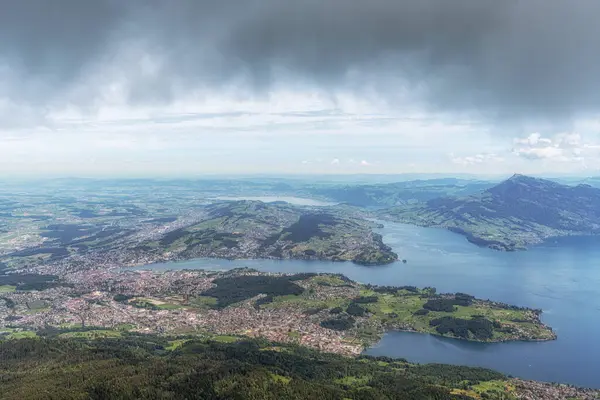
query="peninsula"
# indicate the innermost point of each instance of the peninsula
(324, 311)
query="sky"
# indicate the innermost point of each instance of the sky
(192, 87)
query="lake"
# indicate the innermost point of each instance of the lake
(561, 277)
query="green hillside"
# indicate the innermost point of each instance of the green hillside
(151, 367)
(253, 229)
(518, 212)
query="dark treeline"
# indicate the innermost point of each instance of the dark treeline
(139, 367)
(394, 289)
(66, 233)
(239, 288)
(355, 310)
(8, 302)
(462, 299)
(171, 237)
(139, 303)
(301, 276)
(55, 252)
(163, 220)
(309, 226)
(480, 327)
(122, 298)
(31, 281)
(366, 299)
(447, 304)
(339, 324)
(443, 305)
(263, 300)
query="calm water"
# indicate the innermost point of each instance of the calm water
(561, 277)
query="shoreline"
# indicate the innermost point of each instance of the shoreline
(488, 243)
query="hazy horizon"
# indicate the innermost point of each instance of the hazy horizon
(348, 178)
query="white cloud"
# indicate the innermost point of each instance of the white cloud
(476, 159)
(562, 147)
(535, 153)
(533, 140)
(237, 134)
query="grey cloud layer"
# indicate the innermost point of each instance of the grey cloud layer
(513, 59)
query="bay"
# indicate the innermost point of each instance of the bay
(561, 277)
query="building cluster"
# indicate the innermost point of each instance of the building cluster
(110, 299)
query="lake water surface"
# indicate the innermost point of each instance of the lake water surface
(561, 277)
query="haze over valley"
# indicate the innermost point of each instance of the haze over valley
(264, 199)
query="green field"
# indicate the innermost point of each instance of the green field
(305, 302)
(125, 327)
(354, 380)
(225, 338)
(407, 309)
(7, 288)
(21, 335)
(153, 304)
(168, 306)
(175, 344)
(71, 325)
(331, 280)
(203, 302)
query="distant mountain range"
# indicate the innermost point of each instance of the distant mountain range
(512, 215)
(399, 193)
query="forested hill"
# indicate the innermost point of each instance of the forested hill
(512, 215)
(253, 229)
(152, 367)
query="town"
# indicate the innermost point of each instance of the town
(307, 309)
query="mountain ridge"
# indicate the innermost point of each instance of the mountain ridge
(253, 229)
(515, 214)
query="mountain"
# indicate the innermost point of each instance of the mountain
(398, 193)
(512, 215)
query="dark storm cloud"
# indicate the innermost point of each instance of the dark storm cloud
(52, 41)
(513, 59)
